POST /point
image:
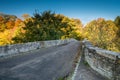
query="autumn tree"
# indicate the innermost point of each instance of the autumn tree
(49, 26)
(102, 33)
(44, 26)
(8, 26)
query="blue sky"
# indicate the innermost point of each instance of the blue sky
(85, 10)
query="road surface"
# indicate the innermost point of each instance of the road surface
(42, 64)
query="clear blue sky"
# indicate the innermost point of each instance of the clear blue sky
(85, 10)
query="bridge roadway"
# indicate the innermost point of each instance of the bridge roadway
(42, 64)
(47, 64)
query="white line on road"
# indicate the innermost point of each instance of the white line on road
(75, 72)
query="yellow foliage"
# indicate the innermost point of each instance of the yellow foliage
(101, 33)
(6, 37)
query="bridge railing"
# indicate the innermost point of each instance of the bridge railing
(105, 62)
(12, 50)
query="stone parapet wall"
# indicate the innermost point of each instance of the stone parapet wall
(11, 50)
(105, 62)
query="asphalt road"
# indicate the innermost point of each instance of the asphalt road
(42, 64)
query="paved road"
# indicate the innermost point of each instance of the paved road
(43, 64)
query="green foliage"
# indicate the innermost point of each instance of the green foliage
(45, 26)
(49, 26)
(117, 21)
(117, 39)
(86, 63)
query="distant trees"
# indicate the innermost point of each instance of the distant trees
(8, 26)
(26, 16)
(49, 26)
(42, 26)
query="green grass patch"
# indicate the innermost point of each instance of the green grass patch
(86, 64)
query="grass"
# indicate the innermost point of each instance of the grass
(86, 63)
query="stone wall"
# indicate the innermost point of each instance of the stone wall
(105, 62)
(11, 50)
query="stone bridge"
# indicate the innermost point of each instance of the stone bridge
(58, 60)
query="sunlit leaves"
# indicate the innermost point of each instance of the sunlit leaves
(5, 37)
(101, 32)
(8, 28)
